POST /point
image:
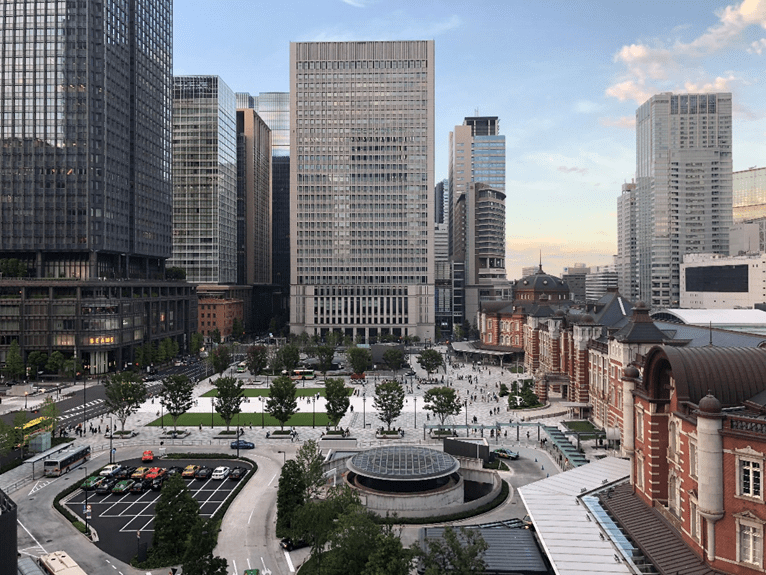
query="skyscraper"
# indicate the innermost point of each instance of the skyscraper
(362, 188)
(683, 187)
(626, 263)
(205, 179)
(749, 194)
(86, 179)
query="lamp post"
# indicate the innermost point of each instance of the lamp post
(25, 400)
(262, 420)
(415, 398)
(284, 456)
(364, 409)
(466, 417)
(87, 529)
(211, 412)
(111, 434)
(313, 412)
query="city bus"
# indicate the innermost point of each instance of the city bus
(301, 374)
(60, 563)
(63, 462)
(242, 367)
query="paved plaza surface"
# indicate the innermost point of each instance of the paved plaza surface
(477, 384)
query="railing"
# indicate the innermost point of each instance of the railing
(757, 426)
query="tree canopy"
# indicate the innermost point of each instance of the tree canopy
(389, 401)
(458, 551)
(309, 459)
(337, 400)
(220, 359)
(394, 358)
(125, 392)
(360, 359)
(442, 402)
(287, 358)
(430, 360)
(176, 514)
(257, 359)
(228, 400)
(290, 496)
(177, 395)
(282, 404)
(199, 558)
(325, 354)
(14, 363)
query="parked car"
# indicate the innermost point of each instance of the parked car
(203, 473)
(220, 473)
(175, 470)
(155, 472)
(506, 453)
(158, 481)
(288, 544)
(189, 471)
(410, 373)
(110, 470)
(123, 486)
(105, 487)
(237, 473)
(242, 444)
(147, 456)
(139, 473)
(91, 482)
(140, 486)
(124, 473)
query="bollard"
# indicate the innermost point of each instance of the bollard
(542, 468)
(547, 475)
(535, 459)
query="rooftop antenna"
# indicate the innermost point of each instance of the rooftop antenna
(476, 112)
(711, 334)
(541, 260)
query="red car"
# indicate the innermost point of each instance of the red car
(147, 456)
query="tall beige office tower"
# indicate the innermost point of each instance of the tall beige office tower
(362, 188)
(683, 187)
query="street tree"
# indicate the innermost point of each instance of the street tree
(430, 360)
(7, 438)
(36, 361)
(360, 359)
(55, 363)
(215, 335)
(14, 363)
(394, 358)
(228, 399)
(237, 329)
(49, 411)
(325, 354)
(199, 558)
(290, 496)
(177, 396)
(197, 339)
(72, 367)
(282, 404)
(220, 359)
(287, 357)
(146, 354)
(457, 551)
(389, 401)
(352, 540)
(442, 402)
(176, 514)
(125, 392)
(389, 557)
(257, 359)
(337, 400)
(309, 459)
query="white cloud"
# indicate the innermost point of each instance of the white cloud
(717, 85)
(627, 122)
(586, 107)
(668, 65)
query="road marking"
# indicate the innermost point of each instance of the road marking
(265, 570)
(289, 562)
(235, 566)
(272, 479)
(32, 536)
(248, 563)
(40, 484)
(249, 518)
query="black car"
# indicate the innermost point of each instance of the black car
(203, 473)
(242, 444)
(141, 485)
(237, 473)
(288, 544)
(410, 373)
(157, 482)
(125, 473)
(105, 487)
(175, 470)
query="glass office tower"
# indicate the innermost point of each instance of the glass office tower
(362, 188)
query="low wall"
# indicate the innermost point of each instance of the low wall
(337, 443)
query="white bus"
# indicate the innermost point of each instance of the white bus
(63, 462)
(59, 563)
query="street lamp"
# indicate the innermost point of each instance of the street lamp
(111, 434)
(25, 400)
(364, 409)
(284, 456)
(313, 411)
(415, 398)
(262, 422)
(87, 529)
(211, 412)
(466, 417)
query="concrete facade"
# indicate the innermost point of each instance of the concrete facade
(743, 286)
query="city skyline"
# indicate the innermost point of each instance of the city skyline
(566, 79)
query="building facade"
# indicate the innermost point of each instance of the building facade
(598, 281)
(683, 187)
(220, 314)
(627, 242)
(86, 180)
(362, 188)
(205, 179)
(749, 195)
(709, 281)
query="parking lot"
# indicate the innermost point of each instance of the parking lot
(125, 521)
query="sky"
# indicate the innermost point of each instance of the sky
(564, 77)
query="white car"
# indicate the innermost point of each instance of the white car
(110, 469)
(221, 473)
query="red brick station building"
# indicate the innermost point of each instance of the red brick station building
(688, 404)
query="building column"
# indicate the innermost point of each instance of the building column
(710, 464)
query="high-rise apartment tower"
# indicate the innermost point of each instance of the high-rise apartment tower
(683, 187)
(362, 188)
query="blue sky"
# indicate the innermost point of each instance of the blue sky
(564, 77)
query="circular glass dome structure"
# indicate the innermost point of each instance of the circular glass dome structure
(402, 469)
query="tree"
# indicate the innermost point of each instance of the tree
(394, 358)
(282, 404)
(389, 401)
(442, 401)
(175, 515)
(237, 330)
(199, 558)
(14, 364)
(290, 496)
(215, 335)
(177, 396)
(337, 400)
(145, 355)
(430, 360)
(175, 273)
(49, 411)
(360, 359)
(287, 357)
(37, 361)
(309, 459)
(228, 400)
(55, 363)
(72, 367)
(352, 540)
(460, 551)
(18, 435)
(325, 354)
(7, 437)
(389, 557)
(197, 339)
(257, 359)
(125, 392)
(220, 359)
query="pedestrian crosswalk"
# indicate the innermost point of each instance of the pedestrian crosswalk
(79, 408)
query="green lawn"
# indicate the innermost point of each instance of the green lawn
(244, 420)
(300, 392)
